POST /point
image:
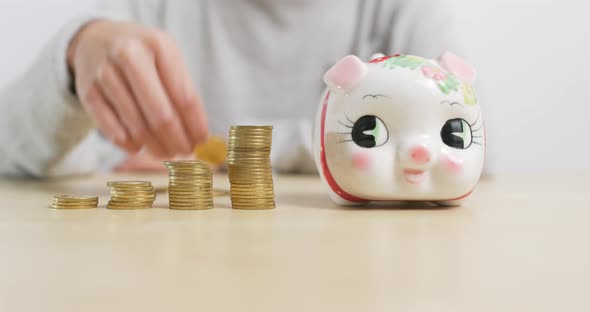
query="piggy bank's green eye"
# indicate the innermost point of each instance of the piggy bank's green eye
(457, 133)
(369, 131)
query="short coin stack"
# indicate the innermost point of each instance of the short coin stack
(74, 202)
(131, 195)
(190, 185)
(250, 171)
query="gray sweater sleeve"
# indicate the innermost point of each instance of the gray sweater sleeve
(422, 27)
(43, 127)
(41, 119)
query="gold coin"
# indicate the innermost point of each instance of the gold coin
(127, 196)
(261, 207)
(190, 198)
(251, 186)
(247, 139)
(189, 188)
(129, 205)
(185, 189)
(253, 204)
(191, 208)
(113, 207)
(192, 203)
(62, 200)
(75, 198)
(193, 181)
(252, 201)
(269, 194)
(133, 189)
(192, 194)
(188, 176)
(190, 163)
(72, 207)
(249, 176)
(133, 200)
(250, 127)
(213, 151)
(189, 169)
(255, 201)
(196, 205)
(249, 163)
(246, 191)
(253, 180)
(74, 203)
(129, 184)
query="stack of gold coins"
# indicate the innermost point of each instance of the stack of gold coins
(74, 202)
(130, 195)
(250, 171)
(190, 185)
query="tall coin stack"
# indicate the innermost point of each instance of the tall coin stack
(130, 195)
(74, 202)
(190, 185)
(250, 171)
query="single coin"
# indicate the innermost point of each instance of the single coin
(214, 151)
(73, 207)
(76, 204)
(128, 183)
(75, 198)
(127, 206)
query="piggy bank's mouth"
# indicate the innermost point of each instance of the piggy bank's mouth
(414, 176)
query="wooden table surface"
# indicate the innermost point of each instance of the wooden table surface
(520, 243)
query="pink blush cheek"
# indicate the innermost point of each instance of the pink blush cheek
(453, 164)
(361, 161)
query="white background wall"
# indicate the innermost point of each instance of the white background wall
(532, 57)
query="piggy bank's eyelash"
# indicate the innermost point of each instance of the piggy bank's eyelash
(345, 125)
(350, 126)
(473, 124)
(375, 96)
(352, 122)
(476, 138)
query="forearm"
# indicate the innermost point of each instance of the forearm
(41, 118)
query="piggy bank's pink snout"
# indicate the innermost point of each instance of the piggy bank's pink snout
(420, 155)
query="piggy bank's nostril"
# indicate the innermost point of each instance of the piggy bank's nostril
(420, 155)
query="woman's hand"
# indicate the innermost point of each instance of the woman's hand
(134, 83)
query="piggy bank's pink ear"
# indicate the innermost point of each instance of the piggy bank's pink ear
(456, 66)
(346, 75)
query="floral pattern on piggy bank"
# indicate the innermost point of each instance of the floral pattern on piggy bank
(400, 128)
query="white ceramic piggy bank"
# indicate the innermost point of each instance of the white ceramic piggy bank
(400, 128)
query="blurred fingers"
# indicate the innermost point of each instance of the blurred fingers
(105, 118)
(179, 86)
(138, 66)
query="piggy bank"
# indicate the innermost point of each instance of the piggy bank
(400, 128)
